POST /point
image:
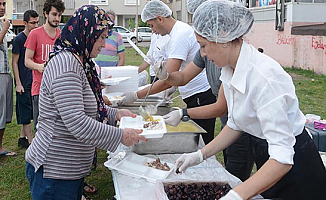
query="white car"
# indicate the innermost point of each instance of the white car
(126, 33)
(146, 33)
(10, 36)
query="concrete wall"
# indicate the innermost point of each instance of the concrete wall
(306, 52)
(301, 51)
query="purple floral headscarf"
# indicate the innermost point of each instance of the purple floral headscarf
(78, 36)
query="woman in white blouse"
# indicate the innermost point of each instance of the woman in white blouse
(261, 100)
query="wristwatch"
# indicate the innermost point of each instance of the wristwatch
(185, 116)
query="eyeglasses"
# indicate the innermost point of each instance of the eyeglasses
(3, 3)
(33, 22)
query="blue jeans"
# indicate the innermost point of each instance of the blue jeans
(52, 189)
(240, 156)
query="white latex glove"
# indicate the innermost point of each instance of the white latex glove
(169, 92)
(173, 118)
(232, 195)
(163, 72)
(128, 97)
(188, 160)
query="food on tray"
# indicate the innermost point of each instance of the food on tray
(182, 127)
(152, 125)
(117, 97)
(210, 191)
(158, 165)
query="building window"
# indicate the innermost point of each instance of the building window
(99, 2)
(179, 15)
(131, 2)
(69, 4)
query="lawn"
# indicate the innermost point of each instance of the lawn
(310, 89)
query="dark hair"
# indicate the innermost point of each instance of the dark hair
(261, 50)
(58, 4)
(111, 12)
(28, 14)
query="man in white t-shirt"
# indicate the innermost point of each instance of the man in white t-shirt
(180, 51)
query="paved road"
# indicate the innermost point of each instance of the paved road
(141, 44)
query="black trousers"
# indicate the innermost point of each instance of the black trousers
(240, 156)
(307, 178)
(201, 99)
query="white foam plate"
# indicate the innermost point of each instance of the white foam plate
(135, 165)
(138, 123)
(114, 81)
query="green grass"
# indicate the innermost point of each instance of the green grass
(310, 89)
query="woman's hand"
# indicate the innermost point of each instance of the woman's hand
(188, 160)
(128, 97)
(131, 136)
(123, 113)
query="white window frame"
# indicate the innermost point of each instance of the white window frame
(131, 2)
(98, 2)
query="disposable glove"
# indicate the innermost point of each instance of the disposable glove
(162, 72)
(188, 160)
(128, 97)
(232, 195)
(169, 92)
(173, 118)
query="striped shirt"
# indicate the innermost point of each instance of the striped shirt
(68, 131)
(108, 57)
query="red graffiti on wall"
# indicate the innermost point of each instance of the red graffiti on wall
(318, 44)
(285, 40)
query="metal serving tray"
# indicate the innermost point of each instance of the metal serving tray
(171, 142)
(153, 100)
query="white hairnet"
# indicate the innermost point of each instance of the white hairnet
(192, 5)
(222, 21)
(155, 8)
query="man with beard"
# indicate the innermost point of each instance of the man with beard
(39, 44)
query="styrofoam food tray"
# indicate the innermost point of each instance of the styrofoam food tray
(135, 165)
(138, 123)
(114, 81)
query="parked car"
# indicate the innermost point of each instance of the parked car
(61, 25)
(10, 36)
(146, 33)
(126, 33)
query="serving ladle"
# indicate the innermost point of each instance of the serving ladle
(143, 112)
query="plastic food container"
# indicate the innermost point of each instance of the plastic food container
(153, 131)
(135, 165)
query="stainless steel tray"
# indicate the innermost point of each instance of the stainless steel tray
(171, 142)
(160, 110)
(153, 100)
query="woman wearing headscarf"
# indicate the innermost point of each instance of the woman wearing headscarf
(73, 117)
(261, 101)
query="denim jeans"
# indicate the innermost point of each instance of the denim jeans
(52, 189)
(240, 157)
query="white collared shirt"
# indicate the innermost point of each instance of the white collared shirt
(262, 101)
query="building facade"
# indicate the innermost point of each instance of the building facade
(293, 32)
